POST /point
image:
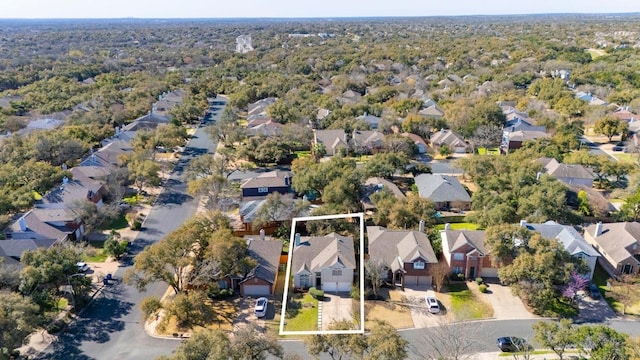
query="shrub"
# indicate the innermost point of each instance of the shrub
(150, 305)
(460, 276)
(479, 280)
(355, 291)
(318, 294)
(482, 288)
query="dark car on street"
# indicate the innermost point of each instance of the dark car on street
(512, 344)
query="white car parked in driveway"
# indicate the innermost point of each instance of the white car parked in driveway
(261, 307)
(432, 302)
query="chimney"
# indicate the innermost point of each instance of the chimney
(421, 228)
(447, 226)
(286, 180)
(261, 234)
(23, 224)
(598, 231)
(297, 239)
(523, 223)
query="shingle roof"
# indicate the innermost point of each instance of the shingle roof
(396, 247)
(441, 188)
(375, 184)
(267, 254)
(457, 238)
(367, 137)
(569, 237)
(38, 226)
(319, 252)
(331, 139)
(559, 170)
(447, 137)
(616, 237)
(15, 248)
(274, 178)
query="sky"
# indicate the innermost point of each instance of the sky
(300, 8)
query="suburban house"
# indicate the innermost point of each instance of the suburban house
(465, 253)
(512, 140)
(446, 192)
(80, 188)
(570, 239)
(453, 141)
(334, 141)
(260, 107)
(248, 211)
(11, 250)
(366, 141)
(57, 225)
(267, 183)
(261, 280)
(625, 115)
(372, 120)
(592, 99)
(618, 245)
(418, 141)
(570, 174)
(407, 254)
(325, 262)
(374, 184)
(265, 128)
(431, 111)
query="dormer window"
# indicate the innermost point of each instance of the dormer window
(418, 265)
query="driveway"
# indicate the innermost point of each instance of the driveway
(335, 308)
(594, 310)
(506, 306)
(420, 314)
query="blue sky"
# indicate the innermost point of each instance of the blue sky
(299, 8)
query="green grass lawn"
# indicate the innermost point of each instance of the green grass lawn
(627, 158)
(94, 252)
(464, 304)
(302, 154)
(305, 318)
(117, 224)
(491, 151)
(459, 226)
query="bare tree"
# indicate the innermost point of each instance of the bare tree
(450, 341)
(375, 271)
(440, 271)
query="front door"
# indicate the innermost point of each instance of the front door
(472, 273)
(318, 281)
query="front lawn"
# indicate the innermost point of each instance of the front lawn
(464, 304)
(95, 252)
(225, 311)
(302, 314)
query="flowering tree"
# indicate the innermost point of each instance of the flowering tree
(576, 283)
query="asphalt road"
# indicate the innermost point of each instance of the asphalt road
(112, 326)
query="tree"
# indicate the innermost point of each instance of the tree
(576, 283)
(249, 344)
(385, 165)
(557, 336)
(338, 347)
(143, 172)
(190, 309)
(631, 208)
(440, 271)
(204, 344)
(277, 207)
(407, 214)
(503, 241)
(19, 316)
(114, 246)
(610, 126)
(444, 151)
(227, 129)
(384, 343)
(375, 271)
(601, 342)
(93, 218)
(450, 341)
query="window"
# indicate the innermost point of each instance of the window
(336, 272)
(263, 189)
(457, 269)
(458, 256)
(627, 269)
(418, 265)
(304, 281)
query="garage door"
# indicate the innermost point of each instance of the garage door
(256, 290)
(489, 273)
(413, 280)
(341, 287)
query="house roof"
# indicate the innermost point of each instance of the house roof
(370, 119)
(447, 137)
(432, 110)
(417, 139)
(559, 170)
(37, 226)
(624, 114)
(15, 248)
(375, 184)
(260, 105)
(249, 209)
(441, 188)
(331, 138)
(80, 188)
(276, 178)
(108, 155)
(616, 238)
(267, 128)
(320, 252)
(396, 247)
(519, 124)
(267, 255)
(367, 137)
(456, 239)
(524, 135)
(568, 236)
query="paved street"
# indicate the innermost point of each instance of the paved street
(112, 326)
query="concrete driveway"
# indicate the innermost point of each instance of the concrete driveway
(420, 314)
(593, 310)
(247, 316)
(506, 306)
(335, 307)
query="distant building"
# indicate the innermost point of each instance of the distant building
(243, 44)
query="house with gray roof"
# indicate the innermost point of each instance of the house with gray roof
(372, 120)
(11, 250)
(334, 141)
(446, 192)
(571, 240)
(407, 254)
(570, 174)
(375, 184)
(261, 280)
(55, 224)
(465, 253)
(432, 111)
(325, 262)
(266, 183)
(260, 106)
(264, 128)
(453, 141)
(512, 140)
(619, 245)
(367, 141)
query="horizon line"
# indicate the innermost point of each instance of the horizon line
(320, 17)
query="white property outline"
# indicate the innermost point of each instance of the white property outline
(288, 276)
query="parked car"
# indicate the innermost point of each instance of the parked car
(261, 307)
(594, 292)
(82, 267)
(512, 344)
(432, 304)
